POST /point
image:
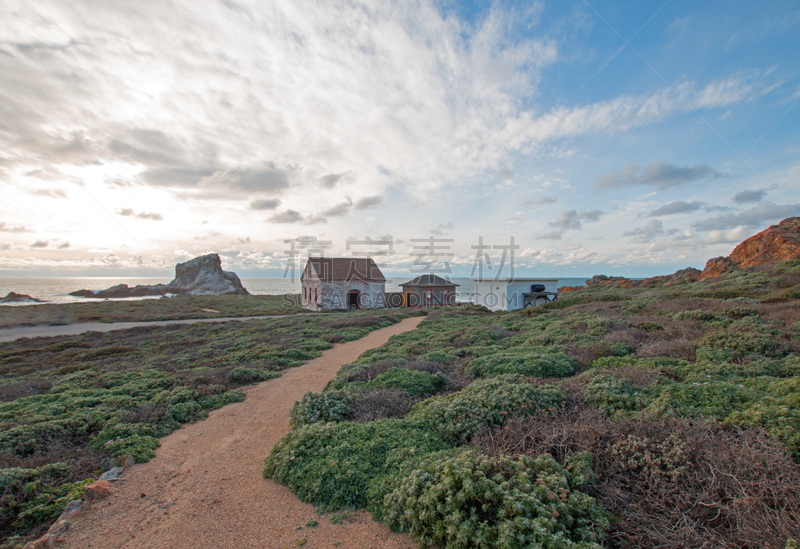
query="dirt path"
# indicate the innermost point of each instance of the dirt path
(10, 334)
(204, 488)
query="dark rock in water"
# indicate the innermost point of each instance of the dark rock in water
(201, 276)
(19, 298)
(83, 293)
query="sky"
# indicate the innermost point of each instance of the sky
(579, 137)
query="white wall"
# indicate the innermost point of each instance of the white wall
(502, 295)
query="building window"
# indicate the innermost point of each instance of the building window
(316, 300)
(445, 297)
(428, 296)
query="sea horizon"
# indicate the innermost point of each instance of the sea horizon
(57, 289)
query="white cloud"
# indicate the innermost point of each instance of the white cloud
(765, 212)
(646, 234)
(735, 235)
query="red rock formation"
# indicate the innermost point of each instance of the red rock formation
(780, 242)
(715, 267)
(571, 289)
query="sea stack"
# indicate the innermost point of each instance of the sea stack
(204, 276)
(200, 276)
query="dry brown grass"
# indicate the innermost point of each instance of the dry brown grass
(671, 483)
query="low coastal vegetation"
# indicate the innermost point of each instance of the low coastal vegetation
(666, 414)
(69, 404)
(144, 310)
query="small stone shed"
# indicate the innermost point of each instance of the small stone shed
(428, 291)
(342, 283)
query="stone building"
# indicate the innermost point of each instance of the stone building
(342, 283)
(428, 291)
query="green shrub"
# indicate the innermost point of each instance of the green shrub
(438, 356)
(738, 312)
(612, 395)
(142, 448)
(484, 403)
(776, 409)
(705, 370)
(537, 363)
(467, 500)
(49, 504)
(699, 314)
(186, 412)
(790, 267)
(320, 407)
(243, 375)
(334, 465)
(746, 337)
(653, 363)
(413, 382)
(31, 496)
(712, 399)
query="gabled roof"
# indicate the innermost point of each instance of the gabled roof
(429, 280)
(344, 269)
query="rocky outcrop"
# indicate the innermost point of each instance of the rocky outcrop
(604, 279)
(201, 276)
(565, 289)
(690, 274)
(715, 267)
(780, 242)
(19, 298)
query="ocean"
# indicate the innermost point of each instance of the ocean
(56, 290)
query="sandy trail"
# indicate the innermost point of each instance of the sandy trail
(204, 488)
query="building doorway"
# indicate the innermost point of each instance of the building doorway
(352, 299)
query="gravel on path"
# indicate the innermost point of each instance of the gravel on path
(204, 489)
